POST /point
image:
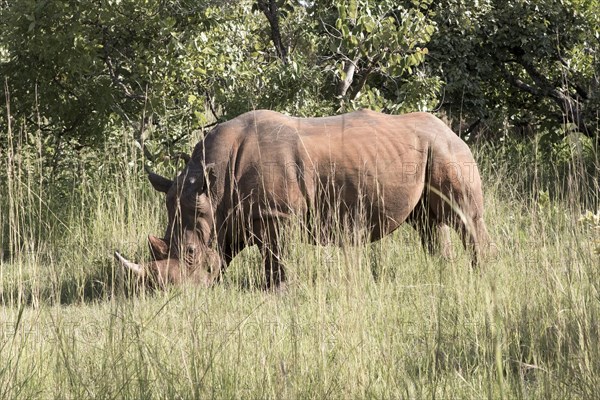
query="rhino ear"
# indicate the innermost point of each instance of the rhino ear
(158, 247)
(185, 157)
(159, 183)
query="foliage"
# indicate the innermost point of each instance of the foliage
(76, 69)
(591, 221)
(532, 64)
(378, 48)
(319, 40)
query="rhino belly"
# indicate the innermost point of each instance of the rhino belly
(343, 213)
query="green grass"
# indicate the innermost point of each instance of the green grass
(378, 321)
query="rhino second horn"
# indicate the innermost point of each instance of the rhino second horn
(135, 268)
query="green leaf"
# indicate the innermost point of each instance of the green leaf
(345, 31)
(368, 24)
(342, 10)
(352, 9)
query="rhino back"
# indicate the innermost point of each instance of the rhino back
(268, 164)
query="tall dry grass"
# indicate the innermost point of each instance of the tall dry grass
(382, 320)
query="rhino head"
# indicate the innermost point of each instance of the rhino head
(185, 253)
(162, 273)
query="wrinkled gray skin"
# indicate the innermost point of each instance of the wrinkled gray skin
(358, 175)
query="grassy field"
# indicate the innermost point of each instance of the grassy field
(379, 321)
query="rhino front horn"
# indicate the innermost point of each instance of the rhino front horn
(128, 265)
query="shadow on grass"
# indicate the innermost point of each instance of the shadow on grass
(103, 283)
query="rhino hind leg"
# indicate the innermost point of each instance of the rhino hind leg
(476, 239)
(270, 245)
(442, 242)
(470, 233)
(460, 211)
(434, 234)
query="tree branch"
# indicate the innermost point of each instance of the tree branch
(570, 107)
(271, 10)
(518, 83)
(349, 70)
(211, 105)
(366, 72)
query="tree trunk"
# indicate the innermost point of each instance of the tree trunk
(345, 83)
(271, 11)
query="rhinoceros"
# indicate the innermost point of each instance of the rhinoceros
(358, 175)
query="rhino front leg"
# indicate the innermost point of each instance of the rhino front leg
(274, 268)
(270, 244)
(271, 250)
